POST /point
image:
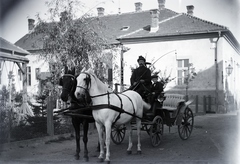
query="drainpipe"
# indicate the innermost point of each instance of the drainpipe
(216, 71)
(123, 50)
(121, 67)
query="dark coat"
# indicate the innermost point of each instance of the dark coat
(141, 73)
(157, 87)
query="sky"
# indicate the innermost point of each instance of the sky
(14, 13)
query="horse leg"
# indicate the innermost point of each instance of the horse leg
(129, 128)
(108, 126)
(138, 123)
(76, 125)
(101, 141)
(85, 139)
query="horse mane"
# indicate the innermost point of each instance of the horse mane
(102, 85)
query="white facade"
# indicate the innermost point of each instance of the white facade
(199, 53)
(211, 76)
(35, 64)
(32, 66)
(6, 67)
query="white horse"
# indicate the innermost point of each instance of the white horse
(129, 102)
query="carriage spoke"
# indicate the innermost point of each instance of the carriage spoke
(118, 134)
(185, 129)
(156, 131)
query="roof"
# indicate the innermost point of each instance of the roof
(6, 45)
(134, 25)
(178, 24)
(131, 21)
(11, 52)
(30, 42)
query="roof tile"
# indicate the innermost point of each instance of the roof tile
(109, 27)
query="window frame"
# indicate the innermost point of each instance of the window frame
(29, 77)
(184, 70)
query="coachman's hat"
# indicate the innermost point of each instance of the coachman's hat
(141, 58)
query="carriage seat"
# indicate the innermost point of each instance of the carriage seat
(172, 101)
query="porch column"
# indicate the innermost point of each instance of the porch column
(25, 108)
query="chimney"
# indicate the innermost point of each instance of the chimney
(154, 20)
(161, 4)
(30, 24)
(138, 6)
(100, 11)
(190, 9)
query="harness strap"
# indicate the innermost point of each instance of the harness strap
(134, 111)
(101, 95)
(118, 117)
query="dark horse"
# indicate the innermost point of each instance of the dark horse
(68, 82)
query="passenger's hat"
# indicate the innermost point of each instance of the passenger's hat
(154, 76)
(141, 58)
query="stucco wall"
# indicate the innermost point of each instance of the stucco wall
(231, 82)
(199, 53)
(35, 62)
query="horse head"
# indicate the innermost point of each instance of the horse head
(83, 85)
(89, 85)
(68, 83)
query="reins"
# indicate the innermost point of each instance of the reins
(108, 105)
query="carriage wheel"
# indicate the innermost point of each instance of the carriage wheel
(156, 131)
(147, 128)
(118, 134)
(186, 127)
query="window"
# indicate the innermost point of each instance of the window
(29, 76)
(124, 28)
(182, 65)
(37, 72)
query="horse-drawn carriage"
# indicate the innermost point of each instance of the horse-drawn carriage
(168, 109)
(113, 112)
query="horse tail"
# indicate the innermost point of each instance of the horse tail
(146, 106)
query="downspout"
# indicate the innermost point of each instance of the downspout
(121, 69)
(123, 50)
(216, 71)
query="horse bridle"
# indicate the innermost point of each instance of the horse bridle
(87, 81)
(73, 77)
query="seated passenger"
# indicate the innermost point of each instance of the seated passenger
(157, 87)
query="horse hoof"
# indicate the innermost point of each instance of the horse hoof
(100, 159)
(139, 152)
(77, 157)
(108, 162)
(86, 159)
(129, 152)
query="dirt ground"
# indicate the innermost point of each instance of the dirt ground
(215, 139)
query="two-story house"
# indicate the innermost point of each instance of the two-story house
(184, 43)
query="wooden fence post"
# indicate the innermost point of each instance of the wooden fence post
(116, 87)
(209, 103)
(196, 99)
(50, 126)
(204, 104)
(9, 124)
